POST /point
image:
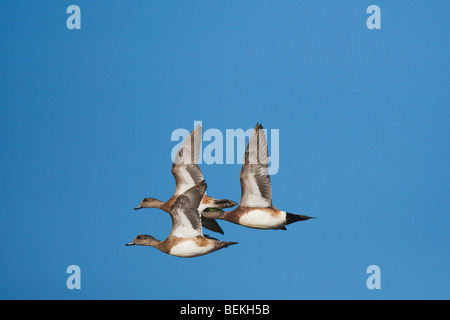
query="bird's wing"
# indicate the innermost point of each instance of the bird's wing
(186, 220)
(256, 190)
(185, 169)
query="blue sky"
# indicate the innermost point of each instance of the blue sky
(363, 116)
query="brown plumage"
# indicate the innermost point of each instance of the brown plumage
(256, 209)
(187, 174)
(186, 238)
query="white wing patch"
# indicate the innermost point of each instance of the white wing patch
(253, 196)
(183, 228)
(187, 183)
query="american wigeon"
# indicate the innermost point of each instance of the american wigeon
(256, 209)
(186, 239)
(187, 174)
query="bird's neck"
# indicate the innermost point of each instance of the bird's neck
(158, 204)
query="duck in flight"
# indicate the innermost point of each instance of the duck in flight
(256, 209)
(186, 239)
(187, 174)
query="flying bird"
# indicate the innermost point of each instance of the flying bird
(256, 209)
(187, 174)
(186, 239)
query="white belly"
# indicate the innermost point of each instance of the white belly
(189, 248)
(261, 219)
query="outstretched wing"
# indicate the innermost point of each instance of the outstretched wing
(256, 190)
(185, 169)
(186, 220)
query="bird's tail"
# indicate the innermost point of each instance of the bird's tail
(292, 217)
(228, 243)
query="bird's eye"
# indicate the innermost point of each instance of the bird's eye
(138, 237)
